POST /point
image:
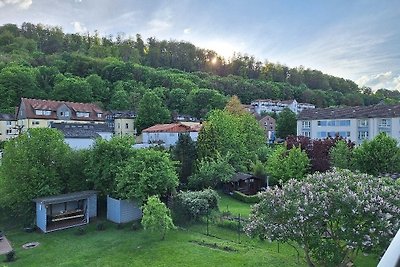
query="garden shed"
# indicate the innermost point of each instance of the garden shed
(122, 211)
(243, 182)
(65, 211)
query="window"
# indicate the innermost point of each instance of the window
(306, 134)
(99, 115)
(306, 124)
(9, 131)
(8, 123)
(126, 126)
(322, 134)
(362, 123)
(119, 125)
(35, 122)
(42, 112)
(64, 113)
(362, 135)
(343, 123)
(384, 123)
(322, 123)
(83, 114)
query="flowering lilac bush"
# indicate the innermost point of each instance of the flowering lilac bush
(332, 215)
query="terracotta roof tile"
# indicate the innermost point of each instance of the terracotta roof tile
(173, 128)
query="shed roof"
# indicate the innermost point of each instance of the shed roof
(65, 197)
(241, 176)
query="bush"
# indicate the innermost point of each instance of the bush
(191, 205)
(245, 198)
(10, 256)
(120, 226)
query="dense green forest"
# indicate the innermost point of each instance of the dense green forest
(40, 61)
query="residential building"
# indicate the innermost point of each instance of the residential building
(352, 123)
(122, 122)
(167, 135)
(82, 135)
(8, 127)
(268, 124)
(276, 106)
(184, 118)
(36, 113)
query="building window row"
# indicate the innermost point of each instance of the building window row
(42, 112)
(333, 134)
(334, 123)
(83, 114)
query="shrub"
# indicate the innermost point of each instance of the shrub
(245, 198)
(10, 256)
(120, 226)
(191, 205)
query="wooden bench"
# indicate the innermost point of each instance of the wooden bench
(68, 215)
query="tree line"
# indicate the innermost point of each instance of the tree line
(44, 62)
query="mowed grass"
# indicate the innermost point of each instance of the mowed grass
(182, 247)
(228, 203)
(125, 247)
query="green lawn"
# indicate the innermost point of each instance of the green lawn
(182, 247)
(227, 203)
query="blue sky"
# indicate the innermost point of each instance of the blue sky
(354, 39)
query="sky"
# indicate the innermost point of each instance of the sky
(353, 39)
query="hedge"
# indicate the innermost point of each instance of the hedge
(245, 198)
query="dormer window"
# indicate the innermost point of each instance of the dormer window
(64, 113)
(42, 112)
(82, 114)
(99, 115)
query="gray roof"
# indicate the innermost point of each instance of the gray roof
(85, 130)
(376, 111)
(7, 117)
(65, 197)
(241, 176)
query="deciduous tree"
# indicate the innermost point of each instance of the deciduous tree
(331, 216)
(157, 217)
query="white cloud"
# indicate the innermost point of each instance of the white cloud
(79, 27)
(387, 80)
(187, 31)
(78, 1)
(24, 4)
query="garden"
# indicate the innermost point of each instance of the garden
(325, 202)
(124, 245)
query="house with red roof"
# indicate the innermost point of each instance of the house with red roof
(167, 135)
(37, 113)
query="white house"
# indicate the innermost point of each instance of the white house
(276, 106)
(167, 135)
(352, 123)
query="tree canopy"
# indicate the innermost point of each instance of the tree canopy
(32, 166)
(149, 172)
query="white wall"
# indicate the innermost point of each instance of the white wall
(79, 143)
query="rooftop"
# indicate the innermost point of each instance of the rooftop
(65, 197)
(376, 111)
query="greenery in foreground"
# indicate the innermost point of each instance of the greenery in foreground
(182, 247)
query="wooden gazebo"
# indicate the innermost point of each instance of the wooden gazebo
(65, 211)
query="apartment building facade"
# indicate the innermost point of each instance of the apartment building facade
(8, 127)
(351, 123)
(276, 106)
(37, 113)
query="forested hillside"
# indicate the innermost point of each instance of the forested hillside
(39, 61)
